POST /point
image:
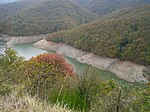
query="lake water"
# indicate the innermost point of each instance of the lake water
(27, 51)
(2, 46)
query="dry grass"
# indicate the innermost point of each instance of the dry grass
(12, 103)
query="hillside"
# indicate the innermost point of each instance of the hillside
(122, 34)
(103, 7)
(33, 17)
(8, 10)
(39, 17)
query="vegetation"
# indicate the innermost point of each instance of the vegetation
(123, 34)
(103, 7)
(39, 85)
(56, 61)
(13, 103)
(47, 82)
(34, 17)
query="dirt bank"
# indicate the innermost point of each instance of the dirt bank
(122, 69)
(19, 40)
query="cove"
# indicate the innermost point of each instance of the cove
(27, 51)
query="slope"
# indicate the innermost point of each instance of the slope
(123, 34)
(40, 17)
(103, 7)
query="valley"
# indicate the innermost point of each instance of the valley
(74, 55)
(24, 48)
(122, 69)
(78, 66)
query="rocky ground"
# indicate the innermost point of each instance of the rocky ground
(26, 39)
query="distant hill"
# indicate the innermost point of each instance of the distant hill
(33, 17)
(123, 34)
(10, 9)
(103, 7)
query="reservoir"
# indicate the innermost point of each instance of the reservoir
(2, 46)
(27, 51)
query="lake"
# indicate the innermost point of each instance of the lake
(27, 51)
(2, 46)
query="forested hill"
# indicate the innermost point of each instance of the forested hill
(33, 17)
(124, 34)
(103, 7)
(10, 9)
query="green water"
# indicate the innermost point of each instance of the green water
(81, 68)
(27, 51)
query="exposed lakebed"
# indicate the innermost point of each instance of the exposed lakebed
(27, 51)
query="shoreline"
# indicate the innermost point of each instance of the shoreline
(11, 41)
(125, 70)
(19, 40)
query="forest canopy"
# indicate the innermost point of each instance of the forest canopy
(123, 34)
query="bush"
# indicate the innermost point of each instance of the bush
(50, 78)
(55, 61)
(9, 57)
(42, 73)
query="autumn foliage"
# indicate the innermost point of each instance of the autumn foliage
(42, 73)
(56, 61)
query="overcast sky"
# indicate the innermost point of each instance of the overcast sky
(7, 1)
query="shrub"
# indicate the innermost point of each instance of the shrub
(9, 57)
(50, 78)
(43, 73)
(56, 61)
(127, 97)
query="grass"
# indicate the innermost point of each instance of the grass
(12, 103)
(25, 90)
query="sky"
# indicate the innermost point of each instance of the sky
(7, 1)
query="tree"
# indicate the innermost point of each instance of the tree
(42, 73)
(9, 57)
(56, 61)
